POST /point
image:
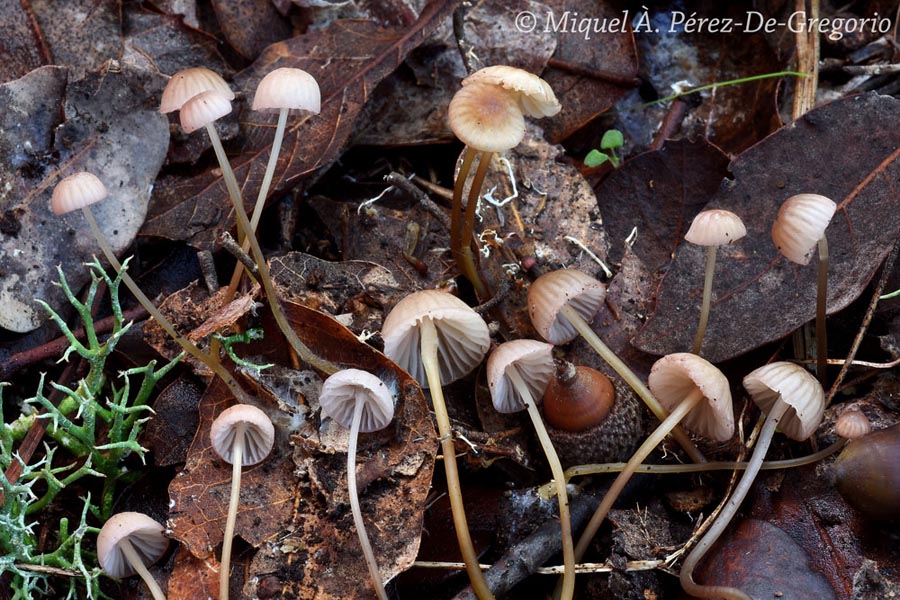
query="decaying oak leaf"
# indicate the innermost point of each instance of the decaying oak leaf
(846, 150)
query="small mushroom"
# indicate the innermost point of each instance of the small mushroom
(698, 395)
(437, 339)
(242, 435)
(186, 84)
(361, 402)
(560, 304)
(798, 229)
(488, 115)
(517, 372)
(852, 424)
(794, 402)
(80, 191)
(127, 543)
(712, 228)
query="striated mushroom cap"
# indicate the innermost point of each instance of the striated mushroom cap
(715, 227)
(534, 96)
(800, 224)
(188, 83)
(258, 432)
(463, 335)
(288, 88)
(551, 291)
(144, 534)
(77, 191)
(675, 376)
(486, 117)
(795, 386)
(534, 363)
(852, 424)
(203, 109)
(342, 390)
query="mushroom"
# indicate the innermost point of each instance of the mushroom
(794, 403)
(712, 228)
(852, 424)
(280, 90)
(437, 339)
(517, 372)
(488, 116)
(798, 229)
(698, 395)
(242, 436)
(83, 189)
(186, 84)
(203, 110)
(560, 302)
(361, 402)
(127, 543)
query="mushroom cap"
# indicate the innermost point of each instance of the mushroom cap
(533, 361)
(259, 433)
(486, 117)
(797, 388)
(534, 95)
(800, 224)
(852, 424)
(203, 109)
(463, 337)
(188, 83)
(145, 535)
(77, 191)
(715, 227)
(675, 376)
(342, 390)
(288, 88)
(551, 291)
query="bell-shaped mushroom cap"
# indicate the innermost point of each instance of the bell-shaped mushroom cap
(186, 84)
(145, 535)
(77, 191)
(797, 388)
(342, 390)
(203, 109)
(800, 224)
(258, 432)
(463, 337)
(852, 424)
(675, 376)
(553, 290)
(534, 363)
(486, 117)
(535, 96)
(715, 227)
(288, 88)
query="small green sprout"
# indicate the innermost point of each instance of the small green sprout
(611, 140)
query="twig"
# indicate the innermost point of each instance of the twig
(466, 49)
(670, 124)
(233, 248)
(497, 298)
(598, 74)
(400, 182)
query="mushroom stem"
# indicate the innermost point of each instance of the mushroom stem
(210, 360)
(369, 554)
(821, 301)
(456, 210)
(429, 348)
(707, 296)
(728, 512)
(461, 243)
(568, 581)
(137, 564)
(302, 350)
(572, 316)
(237, 458)
(260, 199)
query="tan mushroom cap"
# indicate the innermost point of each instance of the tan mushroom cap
(77, 191)
(800, 224)
(143, 533)
(553, 290)
(342, 390)
(486, 117)
(288, 88)
(259, 433)
(797, 388)
(852, 424)
(534, 95)
(203, 109)
(675, 376)
(534, 362)
(715, 227)
(188, 83)
(463, 337)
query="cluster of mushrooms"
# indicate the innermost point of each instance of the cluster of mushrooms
(438, 338)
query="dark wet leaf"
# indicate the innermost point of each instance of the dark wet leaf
(348, 59)
(21, 50)
(846, 150)
(250, 25)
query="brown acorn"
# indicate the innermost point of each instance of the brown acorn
(590, 418)
(867, 474)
